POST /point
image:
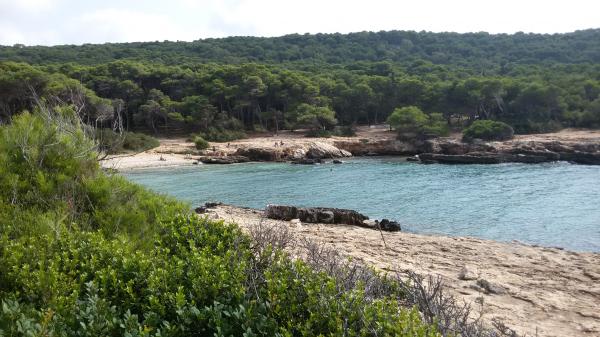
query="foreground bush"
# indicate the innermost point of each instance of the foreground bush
(50, 179)
(488, 130)
(199, 278)
(87, 254)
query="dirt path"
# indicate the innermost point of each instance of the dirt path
(542, 291)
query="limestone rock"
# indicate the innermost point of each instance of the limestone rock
(259, 153)
(318, 150)
(316, 215)
(224, 160)
(491, 288)
(389, 226)
(467, 274)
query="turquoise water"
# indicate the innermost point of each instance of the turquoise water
(555, 204)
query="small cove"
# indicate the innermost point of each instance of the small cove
(552, 204)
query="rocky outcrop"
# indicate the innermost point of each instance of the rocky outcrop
(586, 158)
(449, 151)
(382, 147)
(388, 225)
(224, 160)
(479, 158)
(259, 153)
(318, 150)
(294, 152)
(207, 206)
(328, 216)
(315, 215)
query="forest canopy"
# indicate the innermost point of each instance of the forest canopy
(533, 82)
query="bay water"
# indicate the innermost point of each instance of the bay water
(551, 204)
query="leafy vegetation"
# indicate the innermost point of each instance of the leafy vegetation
(222, 87)
(410, 122)
(200, 143)
(488, 130)
(317, 119)
(111, 142)
(83, 253)
(492, 53)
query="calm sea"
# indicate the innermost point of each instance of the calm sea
(555, 204)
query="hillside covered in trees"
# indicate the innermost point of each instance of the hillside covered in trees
(221, 87)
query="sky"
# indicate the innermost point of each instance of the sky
(51, 22)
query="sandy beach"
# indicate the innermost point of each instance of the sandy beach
(540, 291)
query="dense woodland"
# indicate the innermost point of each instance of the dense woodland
(535, 83)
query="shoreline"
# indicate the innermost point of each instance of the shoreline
(536, 290)
(579, 146)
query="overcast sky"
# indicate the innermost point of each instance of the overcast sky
(50, 22)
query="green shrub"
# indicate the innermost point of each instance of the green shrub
(529, 127)
(345, 131)
(488, 130)
(410, 122)
(100, 256)
(214, 134)
(200, 143)
(318, 133)
(436, 126)
(50, 179)
(113, 143)
(199, 278)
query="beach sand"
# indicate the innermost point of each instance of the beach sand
(544, 291)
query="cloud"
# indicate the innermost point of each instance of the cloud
(118, 25)
(95, 21)
(29, 5)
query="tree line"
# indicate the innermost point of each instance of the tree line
(153, 92)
